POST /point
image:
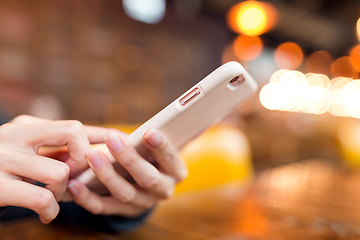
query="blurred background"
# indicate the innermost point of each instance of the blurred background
(119, 62)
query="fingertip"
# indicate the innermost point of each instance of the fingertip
(153, 137)
(76, 168)
(73, 187)
(44, 220)
(95, 157)
(113, 141)
(47, 218)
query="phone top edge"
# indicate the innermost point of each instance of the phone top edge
(222, 74)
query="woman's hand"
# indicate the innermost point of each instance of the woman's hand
(129, 196)
(148, 185)
(20, 163)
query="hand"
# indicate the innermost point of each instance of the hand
(148, 185)
(21, 164)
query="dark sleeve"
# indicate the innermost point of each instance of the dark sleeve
(2, 211)
(73, 216)
(12, 213)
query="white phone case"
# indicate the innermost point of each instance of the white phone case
(194, 111)
(190, 114)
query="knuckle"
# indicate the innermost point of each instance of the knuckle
(166, 153)
(128, 197)
(135, 211)
(168, 193)
(166, 157)
(62, 173)
(163, 146)
(152, 181)
(75, 126)
(105, 178)
(50, 215)
(127, 159)
(182, 175)
(7, 128)
(148, 204)
(96, 210)
(44, 200)
(21, 118)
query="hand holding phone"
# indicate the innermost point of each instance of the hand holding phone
(191, 113)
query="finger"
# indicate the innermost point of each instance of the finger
(97, 134)
(165, 155)
(106, 205)
(58, 153)
(53, 173)
(143, 172)
(26, 119)
(115, 183)
(164, 188)
(38, 199)
(56, 133)
(103, 169)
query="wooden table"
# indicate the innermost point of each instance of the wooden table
(309, 200)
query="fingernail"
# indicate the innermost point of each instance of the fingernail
(95, 158)
(153, 137)
(73, 189)
(113, 142)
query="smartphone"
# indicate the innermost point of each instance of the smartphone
(195, 110)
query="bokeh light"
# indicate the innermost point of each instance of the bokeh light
(342, 67)
(337, 94)
(301, 89)
(318, 94)
(358, 28)
(319, 62)
(355, 57)
(339, 83)
(275, 77)
(252, 18)
(288, 55)
(312, 93)
(284, 91)
(292, 90)
(319, 80)
(351, 93)
(272, 96)
(147, 11)
(247, 48)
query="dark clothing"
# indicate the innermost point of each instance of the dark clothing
(75, 216)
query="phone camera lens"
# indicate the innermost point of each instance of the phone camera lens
(237, 80)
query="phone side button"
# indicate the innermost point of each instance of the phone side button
(190, 96)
